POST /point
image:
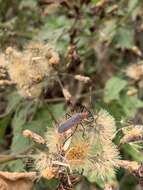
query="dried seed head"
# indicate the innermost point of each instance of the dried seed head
(77, 155)
(53, 57)
(41, 161)
(136, 51)
(135, 71)
(132, 92)
(103, 155)
(96, 153)
(30, 68)
(54, 140)
(105, 159)
(49, 173)
(82, 78)
(105, 125)
(134, 135)
(132, 166)
(33, 136)
(48, 165)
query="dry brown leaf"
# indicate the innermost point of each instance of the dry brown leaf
(133, 135)
(131, 166)
(33, 136)
(17, 181)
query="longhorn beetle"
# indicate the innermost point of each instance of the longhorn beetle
(75, 120)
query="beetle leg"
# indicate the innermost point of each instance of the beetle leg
(67, 115)
(71, 135)
(69, 181)
(88, 123)
(83, 128)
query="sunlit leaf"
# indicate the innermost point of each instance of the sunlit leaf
(130, 105)
(113, 88)
(124, 38)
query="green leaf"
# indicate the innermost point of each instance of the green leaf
(57, 110)
(134, 153)
(13, 100)
(113, 88)
(108, 30)
(16, 166)
(124, 38)
(19, 143)
(46, 184)
(132, 5)
(130, 105)
(40, 122)
(95, 1)
(42, 119)
(3, 125)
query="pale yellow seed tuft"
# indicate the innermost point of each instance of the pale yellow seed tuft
(54, 140)
(105, 124)
(135, 71)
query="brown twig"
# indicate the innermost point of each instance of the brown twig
(10, 157)
(7, 158)
(61, 99)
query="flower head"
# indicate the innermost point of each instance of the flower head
(30, 68)
(105, 125)
(54, 140)
(95, 153)
(44, 165)
(77, 154)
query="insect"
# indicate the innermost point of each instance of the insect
(75, 120)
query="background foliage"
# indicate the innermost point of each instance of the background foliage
(96, 38)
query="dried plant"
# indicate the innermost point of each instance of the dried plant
(30, 69)
(70, 153)
(135, 71)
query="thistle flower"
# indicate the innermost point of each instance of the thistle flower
(105, 160)
(105, 125)
(44, 166)
(56, 141)
(49, 173)
(77, 154)
(30, 68)
(104, 153)
(96, 153)
(97, 156)
(53, 139)
(41, 161)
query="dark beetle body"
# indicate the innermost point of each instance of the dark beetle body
(73, 121)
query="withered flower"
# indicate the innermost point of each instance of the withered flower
(30, 68)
